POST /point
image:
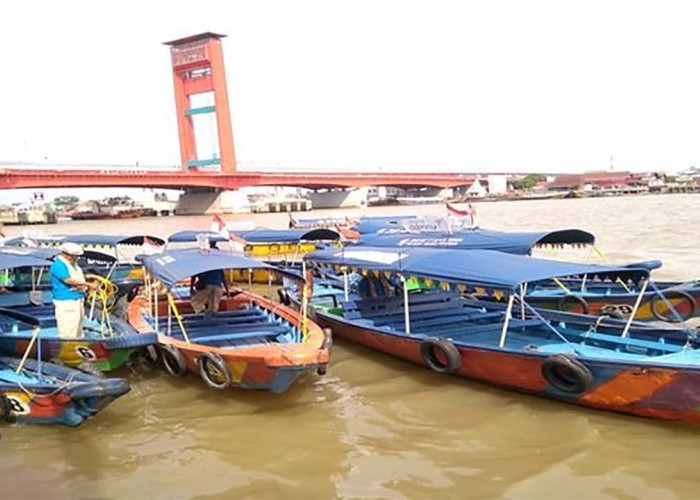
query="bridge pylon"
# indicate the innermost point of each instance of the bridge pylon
(198, 67)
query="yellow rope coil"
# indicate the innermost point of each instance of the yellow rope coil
(105, 295)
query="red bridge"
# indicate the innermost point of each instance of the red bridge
(178, 179)
(198, 68)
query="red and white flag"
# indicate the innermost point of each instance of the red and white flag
(218, 225)
(348, 234)
(469, 212)
(455, 211)
(150, 246)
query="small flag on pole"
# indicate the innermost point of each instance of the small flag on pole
(470, 211)
(150, 247)
(218, 225)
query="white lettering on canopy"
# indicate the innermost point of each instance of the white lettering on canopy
(370, 256)
(438, 242)
(165, 260)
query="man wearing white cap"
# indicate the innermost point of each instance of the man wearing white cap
(68, 289)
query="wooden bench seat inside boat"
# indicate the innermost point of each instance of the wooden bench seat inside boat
(271, 331)
(388, 306)
(584, 350)
(627, 341)
(467, 314)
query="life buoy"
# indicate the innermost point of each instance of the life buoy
(669, 295)
(566, 374)
(173, 360)
(440, 355)
(215, 372)
(151, 353)
(580, 300)
(5, 408)
(284, 296)
(613, 311)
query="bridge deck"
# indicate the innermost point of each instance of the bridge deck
(176, 179)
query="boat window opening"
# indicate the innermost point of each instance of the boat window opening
(561, 285)
(156, 304)
(41, 273)
(676, 315)
(173, 307)
(550, 326)
(170, 316)
(406, 312)
(345, 285)
(635, 308)
(506, 321)
(111, 269)
(93, 301)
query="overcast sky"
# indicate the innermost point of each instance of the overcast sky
(430, 85)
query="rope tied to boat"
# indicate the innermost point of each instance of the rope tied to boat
(105, 293)
(549, 325)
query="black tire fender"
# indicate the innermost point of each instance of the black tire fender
(211, 361)
(428, 353)
(131, 294)
(613, 311)
(284, 296)
(151, 353)
(671, 294)
(566, 374)
(571, 297)
(5, 409)
(173, 360)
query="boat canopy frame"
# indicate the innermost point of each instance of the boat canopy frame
(482, 270)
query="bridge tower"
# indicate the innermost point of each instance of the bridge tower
(198, 67)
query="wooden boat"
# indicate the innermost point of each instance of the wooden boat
(646, 372)
(110, 256)
(45, 393)
(519, 243)
(282, 248)
(671, 301)
(251, 342)
(109, 342)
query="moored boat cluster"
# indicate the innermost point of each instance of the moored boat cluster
(458, 300)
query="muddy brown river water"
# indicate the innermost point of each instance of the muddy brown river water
(375, 426)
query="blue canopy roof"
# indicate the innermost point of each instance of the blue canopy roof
(371, 225)
(171, 266)
(190, 236)
(490, 269)
(111, 240)
(364, 224)
(481, 239)
(15, 257)
(263, 235)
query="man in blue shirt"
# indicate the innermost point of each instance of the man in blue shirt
(68, 289)
(206, 292)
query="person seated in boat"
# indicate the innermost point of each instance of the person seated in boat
(68, 287)
(206, 290)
